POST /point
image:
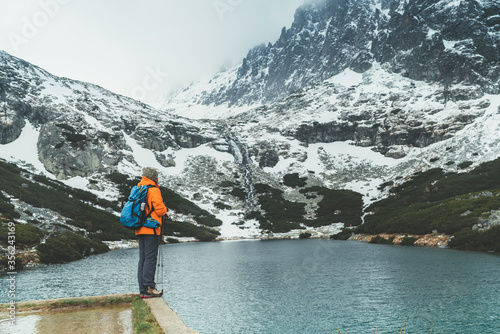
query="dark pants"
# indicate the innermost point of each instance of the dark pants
(148, 254)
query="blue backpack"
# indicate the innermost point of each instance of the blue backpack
(133, 215)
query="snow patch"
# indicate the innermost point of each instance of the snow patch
(346, 78)
(23, 150)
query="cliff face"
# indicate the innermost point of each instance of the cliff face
(440, 41)
(83, 127)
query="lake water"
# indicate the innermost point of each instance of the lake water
(297, 286)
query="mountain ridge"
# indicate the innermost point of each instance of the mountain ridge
(444, 41)
(277, 167)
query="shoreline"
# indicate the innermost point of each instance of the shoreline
(31, 260)
(427, 240)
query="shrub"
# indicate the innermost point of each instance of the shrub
(257, 216)
(239, 193)
(189, 230)
(408, 241)
(75, 138)
(222, 206)
(4, 264)
(385, 184)
(381, 240)
(67, 247)
(226, 184)
(465, 164)
(337, 206)
(118, 178)
(178, 203)
(433, 200)
(208, 220)
(305, 235)
(467, 239)
(69, 202)
(343, 235)
(280, 215)
(294, 181)
(66, 127)
(25, 234)
(7, 210)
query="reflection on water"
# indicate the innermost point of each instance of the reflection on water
(109, 320)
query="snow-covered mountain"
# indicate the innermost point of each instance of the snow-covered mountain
(446, 42)
(353, 95)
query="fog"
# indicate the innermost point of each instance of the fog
(123, 45)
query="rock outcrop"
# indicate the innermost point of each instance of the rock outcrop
(83, 127)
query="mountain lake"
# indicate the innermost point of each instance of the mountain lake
(296, 286)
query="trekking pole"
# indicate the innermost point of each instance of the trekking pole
(159, 260)
(161, 251)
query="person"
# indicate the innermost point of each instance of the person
(149, 238)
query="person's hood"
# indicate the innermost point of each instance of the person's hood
(147, 182)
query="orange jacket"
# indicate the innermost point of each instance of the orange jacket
(153, 200)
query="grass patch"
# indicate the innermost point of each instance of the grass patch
(91, 302)
(142, 319)
(99, 301)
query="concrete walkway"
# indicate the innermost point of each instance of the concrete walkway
(167, 318)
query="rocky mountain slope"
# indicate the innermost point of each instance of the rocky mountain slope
(446, 42)
(304, 136)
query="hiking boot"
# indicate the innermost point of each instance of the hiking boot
(144, 295)
(154, 293)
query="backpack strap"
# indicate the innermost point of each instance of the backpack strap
(152, 208)
(147, 206)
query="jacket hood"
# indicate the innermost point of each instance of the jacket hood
(147, 182)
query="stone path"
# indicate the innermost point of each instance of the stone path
(62, 313)
(167, 318)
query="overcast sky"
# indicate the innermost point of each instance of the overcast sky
(138, 47)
